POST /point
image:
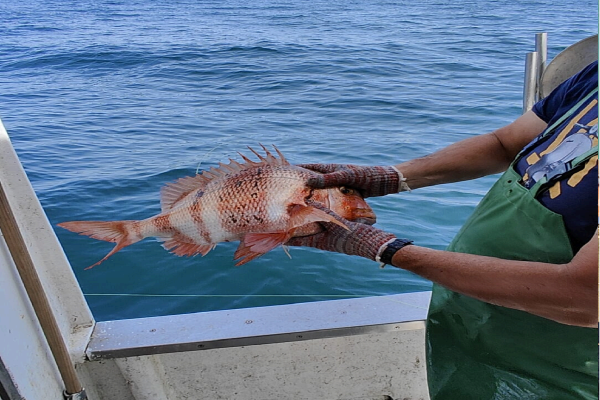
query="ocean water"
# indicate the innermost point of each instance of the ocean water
(106, 101)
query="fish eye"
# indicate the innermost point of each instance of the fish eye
(347, 191)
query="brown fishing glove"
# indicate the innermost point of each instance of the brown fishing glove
(370, 181)
(358, 240)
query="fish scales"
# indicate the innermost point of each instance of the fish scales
(260, 199)
(260, 203)
(251, 201)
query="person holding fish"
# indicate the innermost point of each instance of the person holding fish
(514, 309)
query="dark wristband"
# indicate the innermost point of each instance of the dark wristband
(392, 248)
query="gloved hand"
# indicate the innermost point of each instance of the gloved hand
(359, 239)
(370, 181)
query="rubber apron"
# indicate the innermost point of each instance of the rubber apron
(480, 351)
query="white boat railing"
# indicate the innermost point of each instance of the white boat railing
(24, 351)
(258, 326)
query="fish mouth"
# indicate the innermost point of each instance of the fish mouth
(366, 221)
(364, 216)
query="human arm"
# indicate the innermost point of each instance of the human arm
(473, 157)
(566, 293)
(468, 159)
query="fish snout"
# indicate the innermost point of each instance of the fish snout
(364, 216)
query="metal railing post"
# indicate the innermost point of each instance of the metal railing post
(541, 47)
(531, 79)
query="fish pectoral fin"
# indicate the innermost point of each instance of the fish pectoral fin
(302, 215)
(254, 245)
(181, 248)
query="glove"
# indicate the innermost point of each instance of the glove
(370, 181)
(358, 239)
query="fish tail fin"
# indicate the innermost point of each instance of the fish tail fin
(123, 233)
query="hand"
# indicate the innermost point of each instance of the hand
(370, 181)
(358, 239)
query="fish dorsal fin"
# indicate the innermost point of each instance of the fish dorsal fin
(267, 159)
(174, 192)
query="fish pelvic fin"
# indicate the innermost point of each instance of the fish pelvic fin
(172, 193)
(123, 233)
(254, 245)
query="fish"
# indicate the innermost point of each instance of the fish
(261, 204)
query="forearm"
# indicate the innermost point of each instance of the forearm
(473, 157)
(468, 159)
(552, 291)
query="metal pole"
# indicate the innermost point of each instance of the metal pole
(530, 85)
(541, 47)
(37, 296)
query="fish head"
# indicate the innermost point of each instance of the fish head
(347, 203)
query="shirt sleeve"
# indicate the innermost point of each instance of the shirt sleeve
(547, 108)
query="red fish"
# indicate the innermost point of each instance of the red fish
(260, 203)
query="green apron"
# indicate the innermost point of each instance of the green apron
(480, 351)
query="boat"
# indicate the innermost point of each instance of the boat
(51, 347)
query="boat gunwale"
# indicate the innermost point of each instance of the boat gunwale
(257, 326)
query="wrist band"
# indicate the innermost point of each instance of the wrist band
(390, 249)
(402, 185)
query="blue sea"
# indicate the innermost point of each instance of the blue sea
(107, 100)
